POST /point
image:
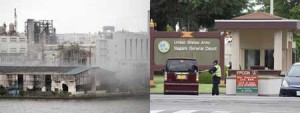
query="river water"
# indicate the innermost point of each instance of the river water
(120, 105)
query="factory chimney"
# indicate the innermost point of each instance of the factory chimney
(15, 19)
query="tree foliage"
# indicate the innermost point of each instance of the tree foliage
(73, 55)
(169, 28)
(283, 8)
(192, 14)
(289, 9)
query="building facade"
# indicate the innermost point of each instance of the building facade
(127, 54)
(74, 80)
(13, 50)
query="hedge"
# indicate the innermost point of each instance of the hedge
(205, 78)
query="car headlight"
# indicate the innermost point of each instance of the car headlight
(284, 84)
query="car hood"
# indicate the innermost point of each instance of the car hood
(292, 80)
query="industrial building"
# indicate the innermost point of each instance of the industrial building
(74, 80)
(125, 53)
(13, 45)
(39, 34)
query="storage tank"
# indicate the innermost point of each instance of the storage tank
(11, 27)
(2, 30)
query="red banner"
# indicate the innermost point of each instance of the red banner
(246, 81)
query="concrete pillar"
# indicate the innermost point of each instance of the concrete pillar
(284, 60)
(242, 59)
(290, 54)
(278, 50)
(235, 50)
(262, 57)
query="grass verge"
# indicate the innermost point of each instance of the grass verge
(159, 86)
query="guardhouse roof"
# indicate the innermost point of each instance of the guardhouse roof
(257, 20)
(258, 16)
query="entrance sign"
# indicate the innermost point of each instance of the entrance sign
(246, 82)
(204, 50)
(205, 47)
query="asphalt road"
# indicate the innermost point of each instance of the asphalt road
(222, 104)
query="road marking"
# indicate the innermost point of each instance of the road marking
(185, 111)
(156, 111)
(221, 112)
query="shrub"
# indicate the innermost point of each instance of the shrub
(205, 78)
(21, 93)
(3, 91)
(158, 73)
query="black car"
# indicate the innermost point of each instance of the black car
(291, 84)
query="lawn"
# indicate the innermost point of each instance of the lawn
(159, 86)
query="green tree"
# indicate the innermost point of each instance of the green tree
(169, 28)
(289, 9)
(73, 55)
(192, 14)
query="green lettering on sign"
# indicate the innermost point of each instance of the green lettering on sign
(246, 90)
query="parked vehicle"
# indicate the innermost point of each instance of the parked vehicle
(291, 83)
(181, 76)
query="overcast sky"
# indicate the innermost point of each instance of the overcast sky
(79, 16)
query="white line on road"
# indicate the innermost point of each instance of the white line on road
(186, 111)
(221, 112)
(156, 111)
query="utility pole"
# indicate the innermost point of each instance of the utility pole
(271, 6)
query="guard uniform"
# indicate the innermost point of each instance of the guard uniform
(216, 72)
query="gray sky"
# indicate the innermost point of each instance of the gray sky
(79, 16)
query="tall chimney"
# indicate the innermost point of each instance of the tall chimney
(15, 19)
(271, 6)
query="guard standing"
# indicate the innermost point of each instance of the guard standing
(216, 73)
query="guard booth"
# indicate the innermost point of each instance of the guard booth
(202, 46)
(261, 42)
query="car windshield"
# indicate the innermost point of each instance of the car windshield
(180, 65)
(294, 71)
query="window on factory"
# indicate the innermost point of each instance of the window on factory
(22, 40)
(136, 48)
(147, 48)
(141, 48)
(3, 51)
(3, 40)
(13, 50)
(125, 48)
(22, 50)
(130, 48)
(103, 44)
(13, 39)
(103, 52)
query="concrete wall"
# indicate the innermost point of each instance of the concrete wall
(59, 86)
(126, 54)
(123, 47)
(5, 47)
(13, 53)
